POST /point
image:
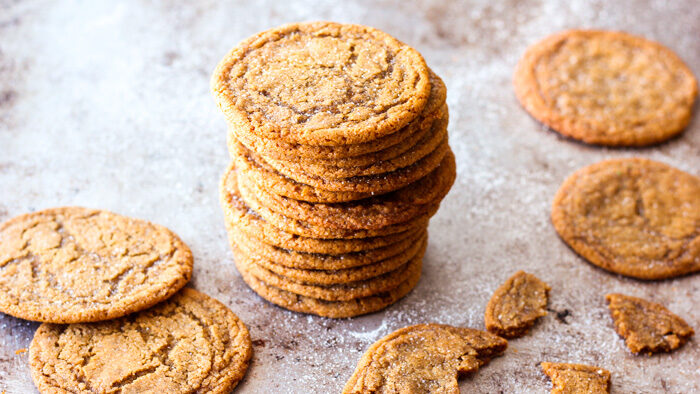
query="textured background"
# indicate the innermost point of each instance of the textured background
(107, 105)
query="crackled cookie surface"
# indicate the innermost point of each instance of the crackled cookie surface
(71, 265)
(605, 87)
(425, 358)
(189, 343)
(516, 305)
(647, 326)
(577, 378)
(321, 83)
(634, 217)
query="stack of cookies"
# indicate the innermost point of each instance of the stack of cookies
(338, 140)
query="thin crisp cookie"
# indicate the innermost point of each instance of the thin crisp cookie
(516, 305)
(577, 378)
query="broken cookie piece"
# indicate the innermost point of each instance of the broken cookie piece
(516, 305)
(425, 358)
(577, 378)
(647, 326)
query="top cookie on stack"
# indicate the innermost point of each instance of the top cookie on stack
(338, 135)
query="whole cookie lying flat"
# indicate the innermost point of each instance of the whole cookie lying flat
(634, 217)
(370, 213)
(72, 265)
(352, 154)
(332, 309)
(516, 305)
(425, 358)
(577, 378)
(239, 217)
(316, 261)
(337, 276)
(321, 83)
(189, 343)
(607, 88)
(647, 326)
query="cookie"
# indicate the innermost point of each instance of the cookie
(321, 83)
(338, 276)
(189, 343)
(425, 358)
(606, 88)
(331, 309)
(306, 229)
(647, 326)
(378, 183)
(357, 154)
(320, 262)
(634, 217)
(577, 378)
(423, 147)
(332, 292)
(371, 213)
(239, 217)
(72, 265)
(516, 305)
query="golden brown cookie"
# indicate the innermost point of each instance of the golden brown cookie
(577, 378)
(239, 217)
(189, 343)
(370, 213)
(332, 309)
(606, 88)
(634, 217)
(72, 265)
(321, 83)
(338, 276)
(352, 154)
(425, 358)
(333, 292)
(516, 305)
(316, 261)
(647, 326)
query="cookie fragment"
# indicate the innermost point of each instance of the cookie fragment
(424, 358)
(647, 326)
(73, 265)
(189, 343)
(516, 305)
(635, 217)
(577, 378)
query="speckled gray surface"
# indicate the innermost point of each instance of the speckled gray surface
(106, 104)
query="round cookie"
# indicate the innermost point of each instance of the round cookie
(378, 183)
(189, 343)
(634, 217)
(321, 83)
(331, 309)
(438, 133)
(332, 277)
(239, 217)
(380, 149)
(606, 88)
(334, 292)
(371, 213)
(73, 265)
(315, 261)
(306, 229)
(424, 358)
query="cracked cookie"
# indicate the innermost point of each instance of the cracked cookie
(516, 305)
(73, 265)
(577, 378)
(606, 88)
(634, 217)
(425, 358)
(647, 326)
(189, 343)
(321, 83)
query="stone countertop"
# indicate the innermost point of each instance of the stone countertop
(106, 104)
